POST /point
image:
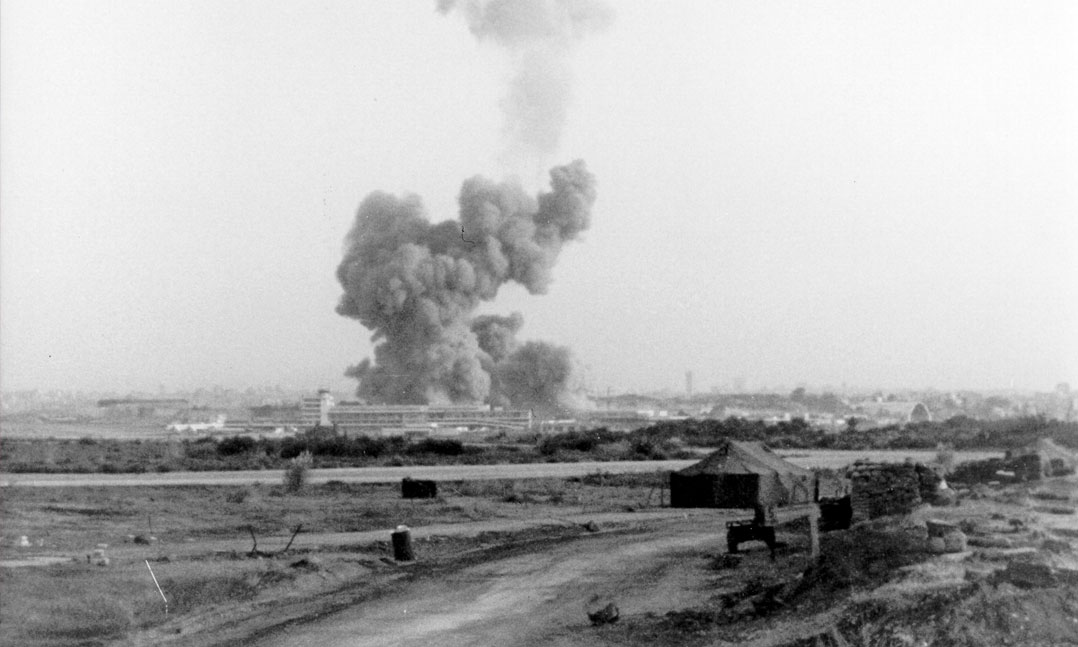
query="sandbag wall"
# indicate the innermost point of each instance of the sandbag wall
(880, 489)
(1023, 468)
(929, 482)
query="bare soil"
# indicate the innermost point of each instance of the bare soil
(512, 563)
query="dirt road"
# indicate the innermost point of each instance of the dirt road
(532, 599)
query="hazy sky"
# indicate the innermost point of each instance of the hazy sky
(869, 193)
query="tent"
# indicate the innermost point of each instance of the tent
(741, 475)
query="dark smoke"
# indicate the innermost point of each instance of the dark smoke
(497, 336)
(537, 376)
(539, 34)
(416, 285)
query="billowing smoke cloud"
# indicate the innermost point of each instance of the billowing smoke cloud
(537, 376)
(539, 34)
(417, 285)
(497, 336)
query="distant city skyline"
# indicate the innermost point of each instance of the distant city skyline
(865, 193)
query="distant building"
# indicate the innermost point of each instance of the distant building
(896, 411)
(354, 419)
(314, 411)
(195, 427)
(144, 407)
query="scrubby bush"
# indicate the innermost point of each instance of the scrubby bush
(293, 447)
(236, 445)
(438, 446)
(580, 441)
(295, 475)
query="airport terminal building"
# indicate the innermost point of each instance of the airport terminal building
(355, 419)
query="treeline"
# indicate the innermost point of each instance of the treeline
(961, 432)
(88, 455)
(668, 440)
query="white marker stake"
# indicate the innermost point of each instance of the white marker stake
(158, 586)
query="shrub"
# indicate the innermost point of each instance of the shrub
(439, 446)
(238, 496)
(236, 445)
(293, 447)
(295, 476)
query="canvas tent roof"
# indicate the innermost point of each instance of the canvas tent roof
(744, 457)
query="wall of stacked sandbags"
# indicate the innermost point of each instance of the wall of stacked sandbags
(1024, 468)
(881, 489)
(929, 481)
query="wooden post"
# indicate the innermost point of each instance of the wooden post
(814, 532)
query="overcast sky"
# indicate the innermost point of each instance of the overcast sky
(861, 193)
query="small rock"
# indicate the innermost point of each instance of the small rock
(729, 561)
(955, 542)
(1007, 554)
(601, 610)
(945, 498)
(24, 542)
(1028, 575)
(141, 539)
(591, 526)
(938, 528)
(937, 546)
(990, 541)
(606, 615)
(310, 563)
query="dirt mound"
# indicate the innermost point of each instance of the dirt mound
(985, 615)
(862, 556)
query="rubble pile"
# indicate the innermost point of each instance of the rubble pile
(882, 489)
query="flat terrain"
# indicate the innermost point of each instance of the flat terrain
(1014, 585)
(831, 459)
(348, 474)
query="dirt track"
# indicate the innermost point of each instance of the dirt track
(531, 599)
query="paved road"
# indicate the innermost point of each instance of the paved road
(804, 457)
(349, 474)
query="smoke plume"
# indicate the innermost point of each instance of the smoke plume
(416, 285)
(496, 336)
(539, 35)
(537, 376)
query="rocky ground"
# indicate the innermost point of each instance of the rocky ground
(998, 568)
